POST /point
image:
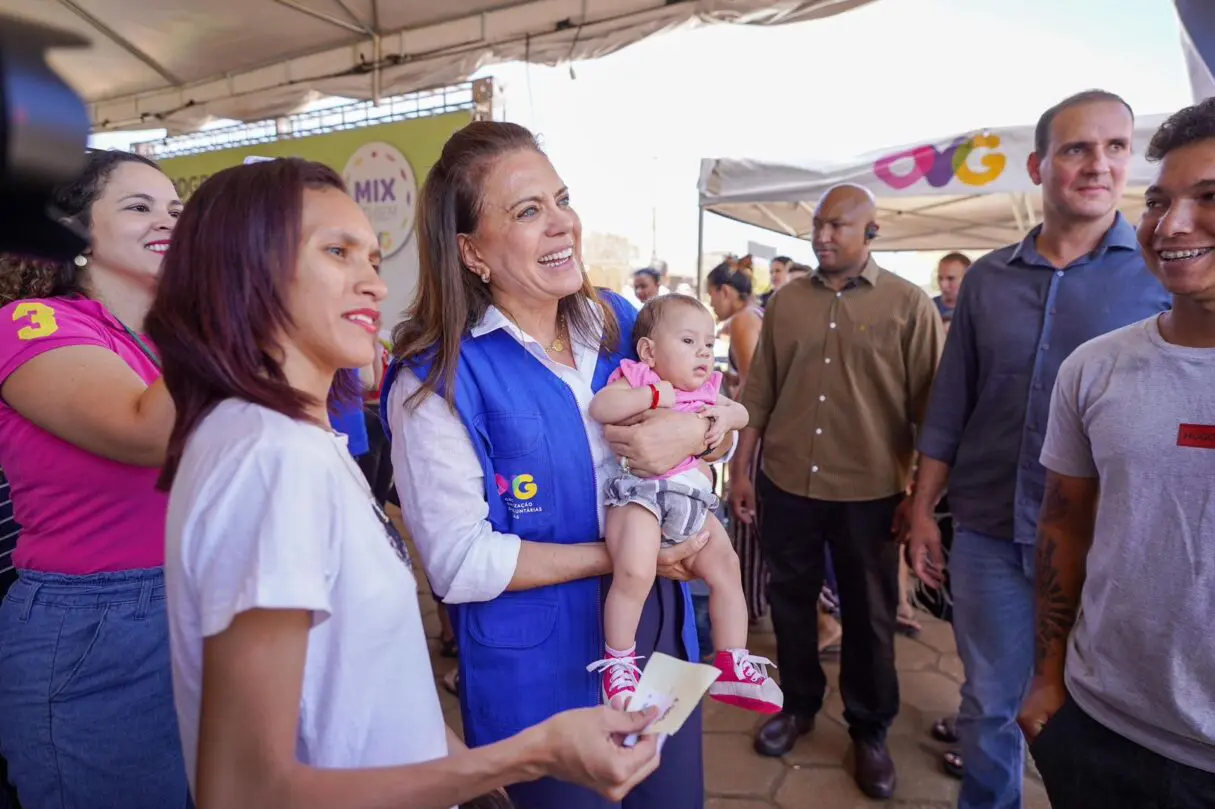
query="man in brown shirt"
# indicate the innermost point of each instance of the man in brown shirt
(838, 384)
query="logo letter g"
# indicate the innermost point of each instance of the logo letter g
(524, 487)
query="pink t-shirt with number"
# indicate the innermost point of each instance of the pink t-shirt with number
(639, 375)
(79, 513)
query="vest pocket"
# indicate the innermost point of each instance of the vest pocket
(512, 622)
(513, 665)
(510, 435)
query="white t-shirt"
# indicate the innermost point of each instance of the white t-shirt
(273, 513)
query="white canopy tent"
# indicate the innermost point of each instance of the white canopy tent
(1197, 19)
(969, 191)
(179, 63)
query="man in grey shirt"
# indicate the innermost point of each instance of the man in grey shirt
(1021, 311)
(1126, 541)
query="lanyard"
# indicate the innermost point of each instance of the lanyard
(147, 352)
(151, 355)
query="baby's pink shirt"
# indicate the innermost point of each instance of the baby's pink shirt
(639, 375)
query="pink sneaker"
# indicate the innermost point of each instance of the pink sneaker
(744, 682)
(620, 676)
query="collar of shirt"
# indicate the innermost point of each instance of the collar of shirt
(870, 274)
(585, 355)
(494, 319)
(1120, 236)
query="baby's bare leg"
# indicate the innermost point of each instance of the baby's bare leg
(717, 564)
(633, 539)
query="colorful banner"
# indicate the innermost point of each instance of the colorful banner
(383, 166)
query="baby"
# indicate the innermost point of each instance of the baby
(674, 337)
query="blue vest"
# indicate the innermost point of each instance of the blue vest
(523, 656)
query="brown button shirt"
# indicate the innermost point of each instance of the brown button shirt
(840, 381)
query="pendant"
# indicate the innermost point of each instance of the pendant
(394, 537)
(557, 346)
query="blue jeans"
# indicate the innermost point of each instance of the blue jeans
(86, 693)
(993, 621)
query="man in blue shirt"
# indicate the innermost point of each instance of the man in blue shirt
(950, 270)
(1021, 311)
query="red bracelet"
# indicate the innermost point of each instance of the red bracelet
(656, 396)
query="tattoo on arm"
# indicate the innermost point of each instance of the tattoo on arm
(1064, 537)
(1055, 617)
(1055, 506)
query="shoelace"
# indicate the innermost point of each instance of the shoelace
(624, 671)
(750, 667)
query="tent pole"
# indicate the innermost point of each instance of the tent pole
(700, 250)
(376, 79)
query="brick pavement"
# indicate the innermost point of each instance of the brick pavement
(815, 774)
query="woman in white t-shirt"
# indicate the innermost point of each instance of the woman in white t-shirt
(300, 668)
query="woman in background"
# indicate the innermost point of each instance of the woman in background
(731, 299)
(86, 702)
(730, 292)
(647, 284)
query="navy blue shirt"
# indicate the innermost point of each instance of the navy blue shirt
(1016, 320)
(946, 311)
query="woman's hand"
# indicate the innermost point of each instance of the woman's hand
(673, 562)
(584, 747)
(657, 441)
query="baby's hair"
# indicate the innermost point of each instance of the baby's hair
(651, 314)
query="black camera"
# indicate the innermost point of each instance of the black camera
(44, 130)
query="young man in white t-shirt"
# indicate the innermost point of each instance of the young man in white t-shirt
(1122, 707)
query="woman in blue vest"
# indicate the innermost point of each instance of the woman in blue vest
(499, 466)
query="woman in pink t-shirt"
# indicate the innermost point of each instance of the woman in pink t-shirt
(86, 702)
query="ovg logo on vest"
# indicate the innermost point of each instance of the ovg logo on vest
(383, 184)
(517, 494)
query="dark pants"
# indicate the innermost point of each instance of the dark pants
(678, 783)
(794, 533)
(1085, 765)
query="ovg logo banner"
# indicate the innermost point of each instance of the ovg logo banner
(384, 185)
(974, 161)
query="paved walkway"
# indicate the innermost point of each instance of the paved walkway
(815, 774)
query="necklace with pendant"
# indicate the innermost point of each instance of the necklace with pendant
(557, 346)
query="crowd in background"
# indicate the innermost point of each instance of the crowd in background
(212, 608)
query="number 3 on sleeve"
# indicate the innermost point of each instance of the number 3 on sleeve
(39, 316)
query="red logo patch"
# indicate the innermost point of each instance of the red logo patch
(1198, 436)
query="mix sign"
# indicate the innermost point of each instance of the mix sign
(383, 166)
(384, 184)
